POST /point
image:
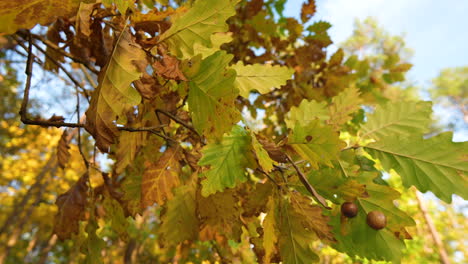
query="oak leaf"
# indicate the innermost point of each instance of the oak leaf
(161, 177)
(71, 206)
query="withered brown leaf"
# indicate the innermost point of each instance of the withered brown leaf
(71, 208)
(161, 177)
(63, 150)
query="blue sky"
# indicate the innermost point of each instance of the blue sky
(437, 32)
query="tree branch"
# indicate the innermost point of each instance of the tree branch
(307, 185)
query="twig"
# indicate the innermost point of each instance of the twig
(29, 65)
(86, 162)
(268, 176)
(178, 120)
(307, 185)
(64, 53)
(74, 81)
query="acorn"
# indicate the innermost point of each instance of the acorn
(349, 209)
(376, 219)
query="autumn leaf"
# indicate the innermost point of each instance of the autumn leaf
(197, 25)
(397, 118)
(312, 217)
(71, 206)
(23, 14)
(308, 10)
(179, 221)
(306, 112)
(127, 148)
(114, 94)
(63, 150)
(316, 142)
(270, 238)
(434, 164)
(227, 160)
(211, 96)
(343, 106)
(264, 159)
(221, 217)
(294, 240)
(262, 78)
(161, 177)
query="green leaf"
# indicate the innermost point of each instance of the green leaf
(316, 142)
(264, 159)
(294, 239)
(227, 160)
(398, 118)
(343, 106)
(211, 96)
(217, 39)
(180, 222)
(115, 214)
(93, 245)
(436, 164)
(197, 25)
(355, 237)
(114, 94)
(306, 112)
(262, 78)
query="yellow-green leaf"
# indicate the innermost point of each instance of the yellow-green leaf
(264, 159)
(211, 96)
(306, 112)
(114, 94)
(262, 78)
(227, 160)
(197, 25)
(343, 105)
(316, 142)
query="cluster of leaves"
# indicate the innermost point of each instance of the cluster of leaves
(232, 129)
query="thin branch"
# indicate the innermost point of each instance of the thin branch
(53, 46)
(178, 120)
(69, 75)
(307, 185)
(29, 65)
(268, 176)
(85, 160)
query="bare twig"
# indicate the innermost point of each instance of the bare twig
(178, 120)
(268, 176)
(63, 52)
(307, 185)
(69, 75)
(85, 160)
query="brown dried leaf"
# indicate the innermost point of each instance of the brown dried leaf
(219, 216)
(168, 67)
(312, 217)
(63, 150)
(71, 208)
(274, 151)
(53, 35)
(308, 10)
(153, 21)
(83, 20)
(26, 14)
(160, 178)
